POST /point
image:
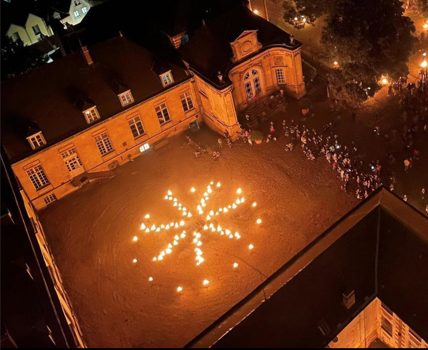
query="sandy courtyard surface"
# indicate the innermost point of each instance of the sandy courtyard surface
(91, 234)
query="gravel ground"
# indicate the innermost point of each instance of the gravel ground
(91, 233)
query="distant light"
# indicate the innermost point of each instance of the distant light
(150, 279)
(251, 247)
(384, 81)
(254, 204)
(193, 190)
(296, 19)
(425, 26)
(256, 12)
(179, 289)
(239, 191)
(235, 265)
(304, 20)
(135, 261)
(424, 64)
(135, 239)
(147, 216)
(206, 283)
(259, 221)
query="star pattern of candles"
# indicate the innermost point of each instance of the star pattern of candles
(201, 220)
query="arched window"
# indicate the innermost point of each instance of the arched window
(252, 83)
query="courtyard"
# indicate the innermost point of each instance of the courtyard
(91, 233)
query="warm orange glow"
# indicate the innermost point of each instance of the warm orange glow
(135, 261)
(179, 289)
(254, 204)
(193, 190)
(239, 191)
(235, 265)
(143, 227)
(259, 221)
(147, 216)
(206, 283)
(256, 12)
(135, 239)
(251, 247)
(150, 279)
(424, 64)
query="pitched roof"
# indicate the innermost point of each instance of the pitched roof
(48, 95)
(380, 249)
(209, 50)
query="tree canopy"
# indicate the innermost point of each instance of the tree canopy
(17, 59)
(369, 39)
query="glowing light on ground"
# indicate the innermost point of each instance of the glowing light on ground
(200, 225)
(135, 239)
(259, 221)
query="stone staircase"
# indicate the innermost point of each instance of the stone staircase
(261, 110)
(85, 178)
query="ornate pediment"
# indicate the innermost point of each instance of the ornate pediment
(245, 44)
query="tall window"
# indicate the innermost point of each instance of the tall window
(16, 37)
(167, 79)
(252, 83)
(36, 29)
(162, 113)
(85, 10)
(38, 177)
(37, 140)
(72, 160)
(91, 115)
(104, 144)
(280, 78)
(186, 101)
(77, 14)
(126, 98)
(136, 126)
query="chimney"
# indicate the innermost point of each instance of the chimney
(348, 298)
(220, 77)
(87, 56)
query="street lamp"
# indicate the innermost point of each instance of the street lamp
(336, 64)
(424, 72)
(256, 12)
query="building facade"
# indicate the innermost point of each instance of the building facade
(30, 32)
(100, 108)
(70, 11)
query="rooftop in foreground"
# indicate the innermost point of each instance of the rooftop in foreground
(379, 250)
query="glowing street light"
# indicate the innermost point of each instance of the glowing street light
(135, 261)
(424, 64)
(254, 204)
(147, 216)
(256, 12)
(150, 279)
(259, 221)
(193, 190)
(239, 191)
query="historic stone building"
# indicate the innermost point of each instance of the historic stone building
(77, 119)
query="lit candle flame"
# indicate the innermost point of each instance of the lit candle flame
(135, 239)
(239, 191)
(179, 289)
(259, 221)
(147, 216)
(135, 261)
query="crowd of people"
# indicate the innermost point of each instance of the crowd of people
(356, 176)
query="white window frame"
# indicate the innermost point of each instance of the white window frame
(84, 10)
(68, 155)
(104, 144)
(37, 140)
(16, 37)
(187, 101)
(126, 98)
(133, 122)
(280, 76)
(34, 31)
(91, 115)
(50, 199)
(38, 177)
(77, 14)
(167, 79)
(162, 113)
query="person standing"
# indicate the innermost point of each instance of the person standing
(405, 198)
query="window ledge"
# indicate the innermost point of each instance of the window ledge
(190, 110)
(107, 154)
(166, 123)
(140, 137)
(43, 188)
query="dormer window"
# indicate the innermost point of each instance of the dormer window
(126, 98)
(91, 115)
(37, 140)
(166, 79)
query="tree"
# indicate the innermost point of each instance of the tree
(369, 39)
(423, 7)
(17, 59)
